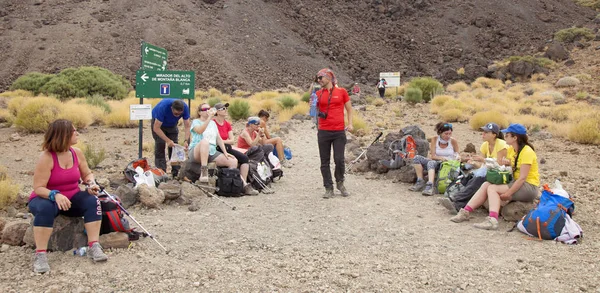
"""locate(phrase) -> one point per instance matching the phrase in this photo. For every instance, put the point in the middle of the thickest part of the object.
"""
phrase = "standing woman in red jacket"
(331, 104)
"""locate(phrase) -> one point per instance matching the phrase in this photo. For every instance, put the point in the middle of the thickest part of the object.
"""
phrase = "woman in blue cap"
(522, 158)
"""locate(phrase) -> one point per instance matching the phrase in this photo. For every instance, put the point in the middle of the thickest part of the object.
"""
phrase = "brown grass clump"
(79, 114)
(488, 83)
(437, 104)
(6, 117)
(458, 87)
(285, 115)
(8, 189)
(302, 108)
(586, 131)
(452, 115)
(264, 95)
(538, 77)
(378, 102)
(482, 118)
(360, 125)
(17, 93)
(119, 117)
(567, 81)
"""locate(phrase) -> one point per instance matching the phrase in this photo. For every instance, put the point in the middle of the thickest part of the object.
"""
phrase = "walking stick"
(364, 152)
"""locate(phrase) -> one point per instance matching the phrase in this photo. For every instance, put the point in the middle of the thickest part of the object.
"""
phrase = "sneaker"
(448, 204)
(419, 185)
(340, 186)
(286, 164)
(40, 263)
(96, 254)
(328, 193)
(203, 174)
(461, 216)
(248, 190)
(428, 191)
(489, 224)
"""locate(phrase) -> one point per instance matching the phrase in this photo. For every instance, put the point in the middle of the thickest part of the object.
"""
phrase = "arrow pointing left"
(144, 77)
(146, 50)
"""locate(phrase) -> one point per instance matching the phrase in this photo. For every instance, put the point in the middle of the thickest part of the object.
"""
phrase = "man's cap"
(515, 128)
(491, 127)
(221, 105)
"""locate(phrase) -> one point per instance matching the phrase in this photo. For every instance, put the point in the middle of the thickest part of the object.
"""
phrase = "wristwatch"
(52, 195)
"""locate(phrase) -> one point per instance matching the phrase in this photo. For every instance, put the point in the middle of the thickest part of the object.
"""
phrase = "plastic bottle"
(81, 251)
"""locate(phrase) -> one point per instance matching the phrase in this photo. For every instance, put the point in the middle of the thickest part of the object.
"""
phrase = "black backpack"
(254, 177)
(229, 182)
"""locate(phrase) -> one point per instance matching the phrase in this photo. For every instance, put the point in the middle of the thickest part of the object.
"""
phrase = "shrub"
(539, 61)
(455, 104)
(213, 92)
(567, 81)
(570, 35)
(16, 93)
(119, 118)
(460, 71)
(32, 81)
(370, 99)
(586, 131)
(489, 83)
(429, 87)
(306, 97)
(360, 125)
(265, 95)
(302, 108)
(285, 115)
(583, 76)
(97, 101)
(268, 105)
(78, 114)
(378, 102)
(413, 95)
(538, 77)
(287, 102)
(239, 109)
(6, 117)
(452, 115)
(581, 95)
(482, 118)
(37, 114)
(93, 157)
(16, 104)
(241, 93)
(594, 4)
(86, 81)
(8, 192)
(213, 101)
(457, 87)
(440, 100)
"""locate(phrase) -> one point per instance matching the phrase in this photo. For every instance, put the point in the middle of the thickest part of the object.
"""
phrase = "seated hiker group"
(507, 147)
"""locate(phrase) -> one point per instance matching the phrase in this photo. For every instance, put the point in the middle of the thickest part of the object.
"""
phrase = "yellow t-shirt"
(499, 145)
(528, 157)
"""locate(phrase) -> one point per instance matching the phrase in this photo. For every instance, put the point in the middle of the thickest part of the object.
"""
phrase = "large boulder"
(514, 211)
(150, 197)
(413, 130)
(190, 169)
(406, 174)
(128, 195)
(556, 52)
(171, 189)
(13, 233)
(375, 153)
(67, 233)
(114, 240)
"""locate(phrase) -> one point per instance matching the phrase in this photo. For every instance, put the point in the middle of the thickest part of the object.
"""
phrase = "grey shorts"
(527, 192)
(210, 158)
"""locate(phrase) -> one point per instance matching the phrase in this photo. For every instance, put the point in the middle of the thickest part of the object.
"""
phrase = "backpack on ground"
(449, 171)
(275, 167)
(113, 219)
(551, 219)
(229, 182)
(159, 174)
(259, 174)
(457, 185)
(405, 148)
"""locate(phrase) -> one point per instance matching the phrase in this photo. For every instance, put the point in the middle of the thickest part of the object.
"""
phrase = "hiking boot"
(428, 191)
(96, 254)
(489, 224)
(286, 164)
(203, 174)
(463, 215)
(448, 204)
(40, 263)
(419, 185)
(328, 193)
(249, 190)
(340, 186)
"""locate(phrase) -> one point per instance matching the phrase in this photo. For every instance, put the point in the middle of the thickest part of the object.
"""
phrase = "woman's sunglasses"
(204, 109)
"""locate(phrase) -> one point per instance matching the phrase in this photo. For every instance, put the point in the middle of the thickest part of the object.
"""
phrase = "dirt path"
(382, 238)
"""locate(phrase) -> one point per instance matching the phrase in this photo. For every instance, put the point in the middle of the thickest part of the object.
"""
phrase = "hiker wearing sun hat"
(523, 160)
(332, 101)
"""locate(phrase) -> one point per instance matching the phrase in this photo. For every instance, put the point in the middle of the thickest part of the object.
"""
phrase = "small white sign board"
(392, 78)
(140, 112)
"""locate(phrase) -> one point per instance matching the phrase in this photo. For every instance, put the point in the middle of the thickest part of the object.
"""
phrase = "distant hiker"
(56, 191)
(165, 117)
(523, 160)
(356, 90)
(381, 84)
(275, 141)
(332, 102)
(443, 147)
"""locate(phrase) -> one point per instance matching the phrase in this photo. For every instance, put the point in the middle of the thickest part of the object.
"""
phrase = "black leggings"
(83, 205)
(241, 157)
(326, 139)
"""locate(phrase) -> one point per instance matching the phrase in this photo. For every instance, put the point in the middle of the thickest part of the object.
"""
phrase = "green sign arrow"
(153, 57)
(165, 84)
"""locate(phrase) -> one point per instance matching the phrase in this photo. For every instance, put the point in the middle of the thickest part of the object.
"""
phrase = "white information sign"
(392, 78)
(140, 112)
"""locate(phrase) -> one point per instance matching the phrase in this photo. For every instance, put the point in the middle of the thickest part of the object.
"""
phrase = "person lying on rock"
(443, 147)
(493, 146)
(523, 159)
(203, 148)
(56, 178)
(275, 141)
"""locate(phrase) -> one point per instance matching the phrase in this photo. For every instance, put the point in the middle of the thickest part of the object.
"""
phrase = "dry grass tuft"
(488, 83)
(37, 114)
(567, 81)
(482, 118)
(586, 131)
(453, 115)
(458, 87)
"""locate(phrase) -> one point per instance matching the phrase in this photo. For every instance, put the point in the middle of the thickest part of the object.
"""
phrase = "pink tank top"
(64, 180)
(241, 143)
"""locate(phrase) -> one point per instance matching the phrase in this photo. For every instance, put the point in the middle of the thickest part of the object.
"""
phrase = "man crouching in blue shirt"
(165, 117)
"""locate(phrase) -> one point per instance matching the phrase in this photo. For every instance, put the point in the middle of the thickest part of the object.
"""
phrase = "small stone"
(15, 137)
(114, 240)
(194, 206)
(543, 161)
(11, 212)
(196, 284)
(4, 248)
(21, 215)
(190, 42)
(563, 173)
(18, 159)
(103, 130)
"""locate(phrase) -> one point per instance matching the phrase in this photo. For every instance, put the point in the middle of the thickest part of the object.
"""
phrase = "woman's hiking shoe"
(204, 174)
(96, 254)
(448, 204)
(248, 190)
(340, 186)
(419, 185)
(489, 224)
(463, 215)
(286, 164)
(428, 189)
(328, 193)
(40, 263)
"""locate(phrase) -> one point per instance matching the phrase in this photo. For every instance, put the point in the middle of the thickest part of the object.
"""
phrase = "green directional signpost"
(165, 84)
(153, 57)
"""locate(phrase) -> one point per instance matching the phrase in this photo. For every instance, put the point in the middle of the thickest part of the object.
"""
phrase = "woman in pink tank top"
(56, 191)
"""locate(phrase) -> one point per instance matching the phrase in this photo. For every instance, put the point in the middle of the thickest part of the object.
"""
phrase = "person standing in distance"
(381, 84)
(165, 117)
(331, 129)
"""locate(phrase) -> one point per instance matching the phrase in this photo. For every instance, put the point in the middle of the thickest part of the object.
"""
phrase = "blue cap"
(254, 120)
(515, 128)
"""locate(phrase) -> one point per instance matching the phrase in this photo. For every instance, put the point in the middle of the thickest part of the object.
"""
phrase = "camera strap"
(328, 100)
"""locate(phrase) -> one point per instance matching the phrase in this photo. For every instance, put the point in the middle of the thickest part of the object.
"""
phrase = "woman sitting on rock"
(56, 191)
(442, 147)
(493, 146)
(524, 188)
(254, 135)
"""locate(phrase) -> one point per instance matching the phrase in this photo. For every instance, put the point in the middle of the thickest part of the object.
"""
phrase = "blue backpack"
(547, 220)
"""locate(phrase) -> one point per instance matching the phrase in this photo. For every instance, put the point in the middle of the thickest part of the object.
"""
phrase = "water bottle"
(81, 251)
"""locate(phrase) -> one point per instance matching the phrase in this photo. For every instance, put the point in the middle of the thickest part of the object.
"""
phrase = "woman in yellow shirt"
(524, 187)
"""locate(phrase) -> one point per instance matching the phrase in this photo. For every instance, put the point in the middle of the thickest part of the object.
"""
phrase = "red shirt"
(241, 142)
(335, 116)
(224, 129)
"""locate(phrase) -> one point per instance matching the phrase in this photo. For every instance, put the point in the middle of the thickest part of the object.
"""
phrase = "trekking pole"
(364, 152)
(263, 185)
(103, 191)
(211, 195)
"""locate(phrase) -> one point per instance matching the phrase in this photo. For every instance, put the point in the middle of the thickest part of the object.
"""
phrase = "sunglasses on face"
(204, 109)
(319, 77)
(221, 109)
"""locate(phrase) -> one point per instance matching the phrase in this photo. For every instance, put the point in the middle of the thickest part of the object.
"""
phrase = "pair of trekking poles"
(364, 152)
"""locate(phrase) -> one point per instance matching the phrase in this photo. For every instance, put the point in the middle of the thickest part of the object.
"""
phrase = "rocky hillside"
(251, 44)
